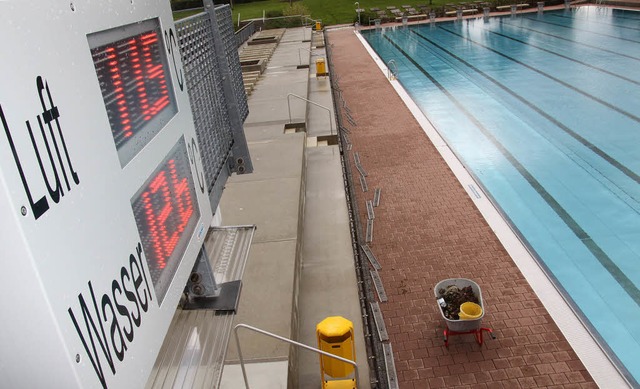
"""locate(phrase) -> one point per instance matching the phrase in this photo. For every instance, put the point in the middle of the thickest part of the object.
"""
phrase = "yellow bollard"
(318, 26)
(321, 69)
(335, 336)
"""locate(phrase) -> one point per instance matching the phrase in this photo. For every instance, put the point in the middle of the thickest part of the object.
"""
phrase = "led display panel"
(132, 71)
(166, 213)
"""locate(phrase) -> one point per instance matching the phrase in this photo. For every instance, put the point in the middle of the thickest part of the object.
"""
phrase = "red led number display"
(135, 84)
(166, 211)
(136, 81)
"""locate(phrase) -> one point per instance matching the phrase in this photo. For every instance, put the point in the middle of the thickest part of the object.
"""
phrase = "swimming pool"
(544, 110)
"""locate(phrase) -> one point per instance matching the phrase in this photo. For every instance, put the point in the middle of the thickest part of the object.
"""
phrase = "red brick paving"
(427, 229)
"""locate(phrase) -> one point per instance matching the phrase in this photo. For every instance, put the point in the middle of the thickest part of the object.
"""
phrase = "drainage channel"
(379, 349)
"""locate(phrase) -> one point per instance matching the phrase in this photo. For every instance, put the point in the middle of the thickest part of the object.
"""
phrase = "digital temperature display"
(131, 66)
(166, 213)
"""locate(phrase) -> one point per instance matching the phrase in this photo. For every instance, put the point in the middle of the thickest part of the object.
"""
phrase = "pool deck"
(427, 228)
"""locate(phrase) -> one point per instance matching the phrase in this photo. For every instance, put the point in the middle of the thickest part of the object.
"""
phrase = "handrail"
(306, 17)
(299, 57)
(308, 101)
(243, 34)
(304, 346)
(391, 72)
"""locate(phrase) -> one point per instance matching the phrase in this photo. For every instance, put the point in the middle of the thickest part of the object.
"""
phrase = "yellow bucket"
(470, 311)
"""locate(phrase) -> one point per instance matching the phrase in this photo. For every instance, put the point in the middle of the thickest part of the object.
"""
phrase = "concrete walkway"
(301, 268)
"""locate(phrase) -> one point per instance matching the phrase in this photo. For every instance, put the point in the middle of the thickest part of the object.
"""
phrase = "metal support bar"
(311, 102)
(304, 346)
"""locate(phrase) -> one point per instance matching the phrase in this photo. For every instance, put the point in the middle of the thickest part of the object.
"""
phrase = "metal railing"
(265, 23)
(304, 346)
(392, 74)
(312, 102)
(300, 57)
(243, 34)
(313, 21)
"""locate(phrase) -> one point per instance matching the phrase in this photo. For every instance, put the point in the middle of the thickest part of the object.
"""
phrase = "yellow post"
(321, 69)
(335, 336)
(318, 26)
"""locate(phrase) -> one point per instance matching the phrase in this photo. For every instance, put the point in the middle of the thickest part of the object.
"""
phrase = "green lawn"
(177, 15)
(329, 11)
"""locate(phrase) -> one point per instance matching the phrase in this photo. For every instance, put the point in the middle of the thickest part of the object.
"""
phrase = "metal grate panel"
(392, 376)
(376, 197)
(370, 214)
(225, 27)
(383, 335)
(377, 283)
(371, 257)
(206, 93)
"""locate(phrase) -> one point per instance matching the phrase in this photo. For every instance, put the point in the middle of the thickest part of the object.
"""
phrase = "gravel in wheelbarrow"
(454, 292)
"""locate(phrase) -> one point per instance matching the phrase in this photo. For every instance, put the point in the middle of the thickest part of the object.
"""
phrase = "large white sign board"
(102, 199)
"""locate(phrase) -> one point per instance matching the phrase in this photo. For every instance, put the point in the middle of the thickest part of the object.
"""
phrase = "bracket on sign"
(202, 291)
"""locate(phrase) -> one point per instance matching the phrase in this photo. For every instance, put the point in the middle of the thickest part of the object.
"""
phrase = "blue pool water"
(544, 110)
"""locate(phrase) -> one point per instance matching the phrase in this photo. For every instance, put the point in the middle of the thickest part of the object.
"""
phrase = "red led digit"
(121, 102)
(156, 213)
(182, 196)
(168, 208)
(134, 85)
(166, 213)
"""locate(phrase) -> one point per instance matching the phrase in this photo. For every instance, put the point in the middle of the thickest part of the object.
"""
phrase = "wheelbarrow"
(467, 326)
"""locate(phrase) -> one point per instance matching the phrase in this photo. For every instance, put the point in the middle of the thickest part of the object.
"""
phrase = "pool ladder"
(392, 70)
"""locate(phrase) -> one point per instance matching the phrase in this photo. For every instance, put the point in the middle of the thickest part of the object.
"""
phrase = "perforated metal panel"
(225, 26)
(204, 83)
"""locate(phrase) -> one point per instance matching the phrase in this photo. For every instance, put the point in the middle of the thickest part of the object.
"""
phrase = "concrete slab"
(320, 121)
(284, 77)
(272, 205)
(328, 284)
(268, 101)
(265, 301)
(276, 158)
(291, 48)
(269, 375)
(258, 132)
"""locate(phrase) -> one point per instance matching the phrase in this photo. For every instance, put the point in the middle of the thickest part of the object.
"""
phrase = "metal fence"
(225, 27)
(216, 90)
